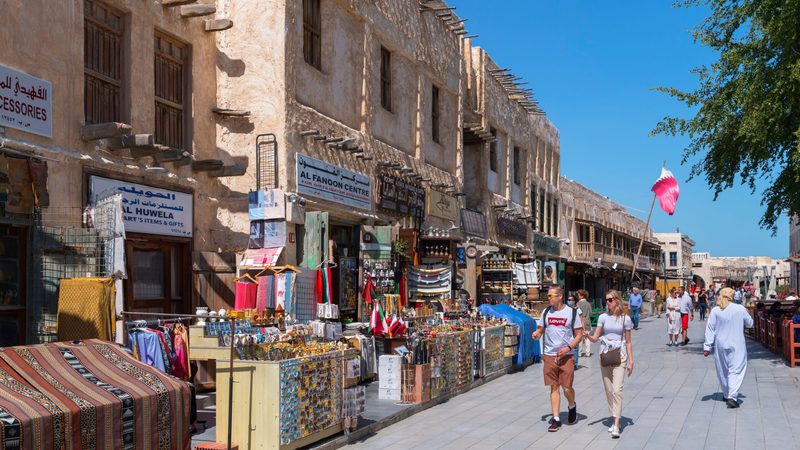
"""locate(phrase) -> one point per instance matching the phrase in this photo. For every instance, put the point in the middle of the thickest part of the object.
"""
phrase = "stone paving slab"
(671, 401)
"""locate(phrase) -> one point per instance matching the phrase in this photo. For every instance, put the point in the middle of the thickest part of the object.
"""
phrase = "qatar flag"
(666, 189)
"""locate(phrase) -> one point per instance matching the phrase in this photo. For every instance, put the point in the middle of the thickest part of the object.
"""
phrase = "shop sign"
(267, 234)
(550, 272)
(267, 204)
(26, 102)
(399, 196)
(443, 205)
(473, 223)
(147, 209)
(329, 182)
(544, 245)
(643, 263)
(511, 229)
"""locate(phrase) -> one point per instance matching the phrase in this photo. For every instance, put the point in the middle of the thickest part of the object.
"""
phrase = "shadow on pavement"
(624, 422)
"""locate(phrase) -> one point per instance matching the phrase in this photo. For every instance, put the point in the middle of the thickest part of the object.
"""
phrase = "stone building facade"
(601, 239)
(104, 64)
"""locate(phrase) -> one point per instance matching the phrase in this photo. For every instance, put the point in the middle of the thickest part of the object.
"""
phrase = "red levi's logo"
(556, 322)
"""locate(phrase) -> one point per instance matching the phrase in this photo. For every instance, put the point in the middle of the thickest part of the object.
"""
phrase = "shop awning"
(261, 257)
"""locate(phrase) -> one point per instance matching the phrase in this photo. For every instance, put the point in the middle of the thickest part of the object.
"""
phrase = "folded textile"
(86, 309)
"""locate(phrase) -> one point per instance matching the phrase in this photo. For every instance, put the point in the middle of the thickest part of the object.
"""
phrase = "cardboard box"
(389, 394)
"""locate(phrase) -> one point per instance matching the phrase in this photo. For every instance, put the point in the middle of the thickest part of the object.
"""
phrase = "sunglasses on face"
(610, 299)
(553, 295)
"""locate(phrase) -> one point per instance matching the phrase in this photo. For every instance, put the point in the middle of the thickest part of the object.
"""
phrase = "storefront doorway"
(13, 241)
(159, 275)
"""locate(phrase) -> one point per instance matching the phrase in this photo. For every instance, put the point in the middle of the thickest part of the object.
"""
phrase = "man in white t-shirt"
(562, 328)
(686, 310)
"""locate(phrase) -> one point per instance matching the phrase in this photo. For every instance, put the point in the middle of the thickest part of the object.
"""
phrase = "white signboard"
(267, 204)
(322, 180)
(26, 102)
(147, 209)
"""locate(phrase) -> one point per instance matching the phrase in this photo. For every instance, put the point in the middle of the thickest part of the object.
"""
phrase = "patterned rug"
(89, 395)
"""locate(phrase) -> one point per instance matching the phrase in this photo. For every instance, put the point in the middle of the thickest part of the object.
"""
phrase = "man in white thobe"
(725, 333)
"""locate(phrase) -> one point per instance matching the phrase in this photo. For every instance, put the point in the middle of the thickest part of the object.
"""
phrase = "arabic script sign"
(150, 210)
(399, 196)
(443, 205)
(333, 183)
(25, 102)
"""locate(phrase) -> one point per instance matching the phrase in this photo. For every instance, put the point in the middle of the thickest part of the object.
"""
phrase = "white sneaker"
(611, 429)
(614, 433)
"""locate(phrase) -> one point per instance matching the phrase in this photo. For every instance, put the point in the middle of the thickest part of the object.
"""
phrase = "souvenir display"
(311, 396)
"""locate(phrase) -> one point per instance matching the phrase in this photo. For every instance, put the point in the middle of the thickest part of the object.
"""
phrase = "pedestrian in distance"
(586, 309)
(687, 310)
(702, 303)
(710, 294)
(725, 335)
(673, 318)
(635, 304)
(563, 330)
(616, 354)
(737, 296)
(659, 304)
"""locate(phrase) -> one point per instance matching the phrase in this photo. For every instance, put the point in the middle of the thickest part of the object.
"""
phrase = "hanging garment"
(148, 348)
(525, 274)
(265, 294)
(289, 294)
(369, 290)
(280, 292)
(86, 309)
(402, 291)
(245, 295)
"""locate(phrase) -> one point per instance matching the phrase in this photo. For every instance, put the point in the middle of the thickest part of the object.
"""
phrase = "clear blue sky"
(592, 65)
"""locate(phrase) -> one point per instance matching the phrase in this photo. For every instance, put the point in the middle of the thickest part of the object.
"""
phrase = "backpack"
(549, 308)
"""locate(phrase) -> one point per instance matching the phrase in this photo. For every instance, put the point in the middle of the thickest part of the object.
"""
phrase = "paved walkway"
(671, 401)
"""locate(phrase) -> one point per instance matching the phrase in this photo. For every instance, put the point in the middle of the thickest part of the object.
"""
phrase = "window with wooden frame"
(517, 162)
(386, 79)
(170, 84)
(103, 29)
(533, 208)
(541, 212)
(312, 33)
(555, 217)
(493, 151)
(435, 113)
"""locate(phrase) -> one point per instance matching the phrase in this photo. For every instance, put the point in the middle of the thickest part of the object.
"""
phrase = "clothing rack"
(233, 354)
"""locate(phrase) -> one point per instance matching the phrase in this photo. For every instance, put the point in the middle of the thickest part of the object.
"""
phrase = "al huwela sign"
(333, 183)
(443, 205)
(147, 209)
(26, 102)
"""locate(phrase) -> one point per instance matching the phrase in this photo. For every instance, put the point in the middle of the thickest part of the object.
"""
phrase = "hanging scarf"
(369, 290)
(318, 287)
(280, 292)
(324, 288)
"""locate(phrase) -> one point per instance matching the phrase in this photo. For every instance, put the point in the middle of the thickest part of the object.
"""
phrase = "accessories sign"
(26, 102)
(329, 182)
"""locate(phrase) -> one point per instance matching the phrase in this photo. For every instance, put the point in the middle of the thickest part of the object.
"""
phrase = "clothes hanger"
(264, 270)
(246, 276)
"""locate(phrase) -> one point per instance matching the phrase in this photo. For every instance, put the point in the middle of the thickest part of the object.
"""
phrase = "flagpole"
(641, 242)
(644, 232)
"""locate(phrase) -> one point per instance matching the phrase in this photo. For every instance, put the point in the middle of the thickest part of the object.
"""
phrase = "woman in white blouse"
(614, 333)
(673, 318)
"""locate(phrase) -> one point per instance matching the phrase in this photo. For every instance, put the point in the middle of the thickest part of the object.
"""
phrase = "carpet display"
(89, 395)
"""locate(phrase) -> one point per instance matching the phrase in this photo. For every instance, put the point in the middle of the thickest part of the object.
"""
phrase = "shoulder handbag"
(611, 357)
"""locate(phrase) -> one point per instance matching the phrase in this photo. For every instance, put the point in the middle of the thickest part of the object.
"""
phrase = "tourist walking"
(563, 330)
(616, 354)
(673, 318)
(586, 317)
(711, 295)
(659, 304)
(635, 304)
(686, 309)
(702, 303)
(725, 334)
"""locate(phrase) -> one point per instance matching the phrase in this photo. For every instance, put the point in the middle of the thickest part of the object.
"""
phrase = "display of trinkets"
(311, 395)
(435, 249)
(493, 349)
(496, 262)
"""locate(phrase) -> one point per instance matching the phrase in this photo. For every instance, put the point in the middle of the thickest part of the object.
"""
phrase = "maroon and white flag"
(667, 190)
